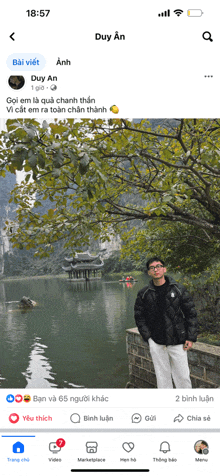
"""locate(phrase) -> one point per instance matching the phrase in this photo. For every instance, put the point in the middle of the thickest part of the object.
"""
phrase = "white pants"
(170, 362)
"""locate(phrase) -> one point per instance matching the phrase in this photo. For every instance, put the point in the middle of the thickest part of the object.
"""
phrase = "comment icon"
(75, 418)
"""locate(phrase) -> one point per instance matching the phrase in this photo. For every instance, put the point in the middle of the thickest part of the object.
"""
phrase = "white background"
(157, 71)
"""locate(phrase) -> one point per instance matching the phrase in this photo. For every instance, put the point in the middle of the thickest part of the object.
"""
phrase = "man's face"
(156, 270)
(202, 446)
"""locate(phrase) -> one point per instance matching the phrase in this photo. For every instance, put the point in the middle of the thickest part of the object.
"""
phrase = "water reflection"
(2, 299)
(75, 337)
(15, 327)
(39, 372)
(115, 310)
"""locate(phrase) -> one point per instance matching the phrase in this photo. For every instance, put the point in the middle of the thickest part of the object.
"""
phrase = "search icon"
(207, 36)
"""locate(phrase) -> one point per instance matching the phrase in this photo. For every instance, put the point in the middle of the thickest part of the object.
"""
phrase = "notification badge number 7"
(60, 442)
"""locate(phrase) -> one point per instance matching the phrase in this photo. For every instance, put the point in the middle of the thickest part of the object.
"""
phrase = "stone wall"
(204, 362)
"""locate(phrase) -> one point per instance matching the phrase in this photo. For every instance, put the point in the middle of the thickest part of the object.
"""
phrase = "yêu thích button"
(41, 418)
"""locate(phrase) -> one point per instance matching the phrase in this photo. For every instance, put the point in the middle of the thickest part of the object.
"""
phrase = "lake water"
(74, 337)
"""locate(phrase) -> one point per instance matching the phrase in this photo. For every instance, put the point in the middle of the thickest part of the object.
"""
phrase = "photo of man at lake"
(166, 318)
(84, 202)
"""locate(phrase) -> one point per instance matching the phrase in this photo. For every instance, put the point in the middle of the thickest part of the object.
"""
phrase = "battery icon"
(194, 13)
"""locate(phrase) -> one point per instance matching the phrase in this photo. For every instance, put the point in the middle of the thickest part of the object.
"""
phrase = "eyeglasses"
(152, 268)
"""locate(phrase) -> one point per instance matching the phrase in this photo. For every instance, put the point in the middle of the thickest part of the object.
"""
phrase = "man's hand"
(188, 344)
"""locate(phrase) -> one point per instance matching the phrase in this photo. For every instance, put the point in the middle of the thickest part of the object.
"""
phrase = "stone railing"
(204, 363)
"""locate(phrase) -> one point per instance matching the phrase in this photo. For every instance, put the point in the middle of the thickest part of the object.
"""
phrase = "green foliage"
(207, 301)
(183, 248)
(24, 263)
(159, 186)
(116, 265)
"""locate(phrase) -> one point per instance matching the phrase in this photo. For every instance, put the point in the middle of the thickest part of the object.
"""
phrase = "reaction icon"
(10, 398)
(27, 398)
(18, 398)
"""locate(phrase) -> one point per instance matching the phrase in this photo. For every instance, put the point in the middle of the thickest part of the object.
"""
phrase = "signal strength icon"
(178, 12)
(164, 14)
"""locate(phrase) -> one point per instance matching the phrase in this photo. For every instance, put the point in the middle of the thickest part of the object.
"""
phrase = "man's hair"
(154, 258)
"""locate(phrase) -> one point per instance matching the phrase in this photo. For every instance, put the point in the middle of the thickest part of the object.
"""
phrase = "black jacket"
(180, 316)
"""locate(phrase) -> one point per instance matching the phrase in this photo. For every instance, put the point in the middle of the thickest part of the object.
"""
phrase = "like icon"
(14, 418)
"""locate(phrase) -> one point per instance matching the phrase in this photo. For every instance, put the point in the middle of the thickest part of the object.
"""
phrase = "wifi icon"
(178, 12)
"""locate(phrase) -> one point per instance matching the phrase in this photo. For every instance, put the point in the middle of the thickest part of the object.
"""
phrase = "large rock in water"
(26, 302)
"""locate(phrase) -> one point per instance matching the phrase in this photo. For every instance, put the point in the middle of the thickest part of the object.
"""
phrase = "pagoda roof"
(67, 268)
(81, 266)
(82, 257)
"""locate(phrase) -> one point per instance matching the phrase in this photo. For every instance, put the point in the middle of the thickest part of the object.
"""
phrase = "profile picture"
(16, 82)
(201, 447)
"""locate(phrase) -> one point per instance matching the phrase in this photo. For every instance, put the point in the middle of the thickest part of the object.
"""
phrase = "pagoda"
(84, 266)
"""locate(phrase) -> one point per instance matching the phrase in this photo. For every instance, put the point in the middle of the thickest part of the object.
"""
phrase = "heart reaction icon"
(14, 418)
(18, 398)
(128, 447)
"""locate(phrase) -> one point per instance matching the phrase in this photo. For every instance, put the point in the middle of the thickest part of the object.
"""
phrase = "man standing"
(166, 317)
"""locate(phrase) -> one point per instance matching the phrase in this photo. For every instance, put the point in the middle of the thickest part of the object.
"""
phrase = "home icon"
(18, 447)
